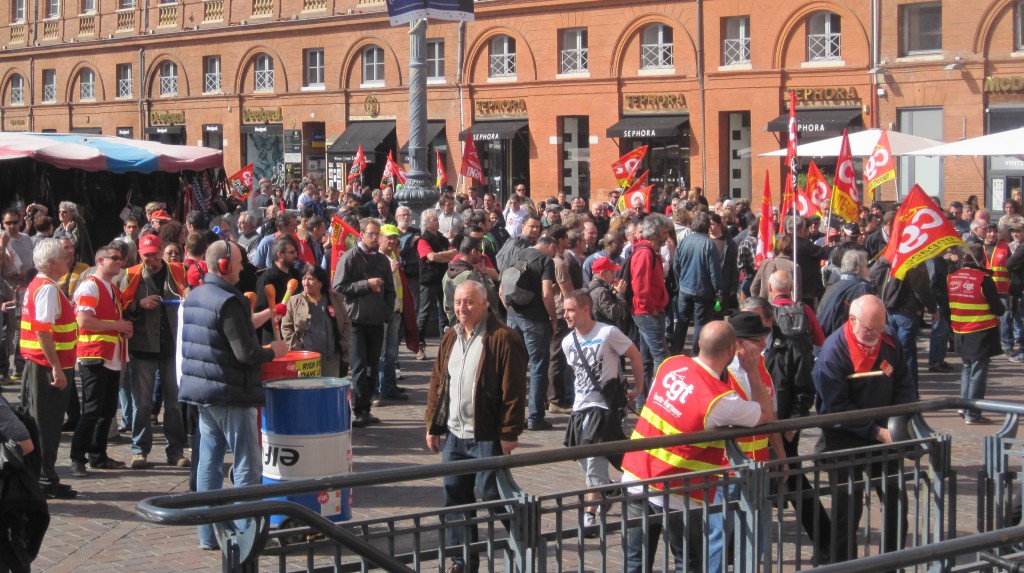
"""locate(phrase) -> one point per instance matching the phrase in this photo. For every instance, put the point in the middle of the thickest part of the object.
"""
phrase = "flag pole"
(792, 145)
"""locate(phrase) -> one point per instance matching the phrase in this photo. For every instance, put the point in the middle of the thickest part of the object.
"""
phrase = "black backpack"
(515, 284)
(792, 323)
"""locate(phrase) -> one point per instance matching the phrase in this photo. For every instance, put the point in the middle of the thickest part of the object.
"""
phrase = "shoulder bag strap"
(586, 364)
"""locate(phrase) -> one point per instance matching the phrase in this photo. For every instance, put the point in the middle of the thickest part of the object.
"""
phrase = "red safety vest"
(997, 264)
(683, 395)
(64, 330)
(968, 309)
(101, 343)
(178, 278)
(756, 447)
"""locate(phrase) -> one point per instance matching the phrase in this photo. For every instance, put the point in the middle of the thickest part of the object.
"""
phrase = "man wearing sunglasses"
(17, 248)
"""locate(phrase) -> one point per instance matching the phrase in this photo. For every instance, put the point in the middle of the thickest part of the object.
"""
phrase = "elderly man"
(477, 401)
(867, 349)
(650, 295)
(853, 283)
(435, 253)
(248, 238)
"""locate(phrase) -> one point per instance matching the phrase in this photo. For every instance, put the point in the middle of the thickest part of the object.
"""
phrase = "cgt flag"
(880, 167)
(393, 174)
(471, 166)
(818, 187)
(240, 184)
(766, 226)
(641, 181)
(442, 175)
(358, 165)
(627, 165)
(845, 196)
(405, 11)
(919, 232)
(637, 198)
(343, 238)
(805, 207)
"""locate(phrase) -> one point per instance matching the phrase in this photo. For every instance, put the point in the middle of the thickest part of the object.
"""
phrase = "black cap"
(851, 229)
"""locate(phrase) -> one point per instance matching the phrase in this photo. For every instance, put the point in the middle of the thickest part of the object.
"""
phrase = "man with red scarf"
(861, 366)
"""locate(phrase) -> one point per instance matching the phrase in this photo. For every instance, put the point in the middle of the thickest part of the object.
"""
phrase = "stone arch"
(152, 78)
(353, 59)
(248, 60)
(76, 70)
(482, 43)
(798, 17)
(5, 86)
(987, 24)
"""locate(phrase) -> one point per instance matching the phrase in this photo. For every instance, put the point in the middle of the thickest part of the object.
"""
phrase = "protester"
(316, 320)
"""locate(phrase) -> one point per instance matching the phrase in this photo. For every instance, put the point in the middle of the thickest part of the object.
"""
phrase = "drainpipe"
(876, 119)
(145, 17)
(31, 93)
(142, 92)
(35, 22)
(703, 107)
(458, 81)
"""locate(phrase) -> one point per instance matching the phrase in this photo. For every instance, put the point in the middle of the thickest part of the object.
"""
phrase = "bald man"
(864, 347)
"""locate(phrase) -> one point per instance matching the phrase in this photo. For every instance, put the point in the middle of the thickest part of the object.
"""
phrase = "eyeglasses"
(371, 234)
(866, 330)
(113, 258)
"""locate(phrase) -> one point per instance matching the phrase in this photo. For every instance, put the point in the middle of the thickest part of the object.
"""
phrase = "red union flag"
(845, 196)
(393, 174)
(471, 166)
(919, 232)
(636, 198)
(240, 184)
(880, 167)
(766, 226)
(442, 175)
(343, 238)
(626, 166)
(818, 187)
(805, 207)
(640, 182)
(358, 165)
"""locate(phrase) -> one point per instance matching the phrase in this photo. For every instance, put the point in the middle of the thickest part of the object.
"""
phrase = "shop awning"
(817, 120)
(369, 134)
(492, 130)
(107, 153)
(641, 126)
(434, 128)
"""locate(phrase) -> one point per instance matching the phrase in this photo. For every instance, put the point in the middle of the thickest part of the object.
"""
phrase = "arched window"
(17, 90)
(168, 79)
(373, 65)
(824, 37)
(503, 57)
(264, 80)
(656, 48)
(86, 85)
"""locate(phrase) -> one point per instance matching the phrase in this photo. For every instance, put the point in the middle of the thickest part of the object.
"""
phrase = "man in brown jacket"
(478, 358)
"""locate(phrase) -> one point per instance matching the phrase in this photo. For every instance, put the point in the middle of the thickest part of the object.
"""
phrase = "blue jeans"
(651, 328)
(143, 375)
(720, 529)
(387, 377)
(906, 327)
(537, 336)
(1006, 323)
(458, 490)
(224, 428)
(692, 310)
(364, 351)
(938, 342)
(635, 538)
(973, 380)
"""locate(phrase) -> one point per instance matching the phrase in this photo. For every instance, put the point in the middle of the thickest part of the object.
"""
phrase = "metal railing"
(502, 66)
(524, 532)
(823, 47)
(737, 51)
(656, 56)
(575, 61)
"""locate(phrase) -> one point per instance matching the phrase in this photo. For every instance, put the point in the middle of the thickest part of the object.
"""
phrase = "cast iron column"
(418, 193)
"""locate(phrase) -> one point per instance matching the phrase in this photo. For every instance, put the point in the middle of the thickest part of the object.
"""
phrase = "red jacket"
(647, 275)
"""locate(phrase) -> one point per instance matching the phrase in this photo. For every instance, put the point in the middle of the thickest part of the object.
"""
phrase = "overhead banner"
(406, 11)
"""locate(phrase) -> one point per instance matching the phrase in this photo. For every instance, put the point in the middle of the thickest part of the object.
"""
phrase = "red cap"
(604, 264)
(150, 244)
(160, 215)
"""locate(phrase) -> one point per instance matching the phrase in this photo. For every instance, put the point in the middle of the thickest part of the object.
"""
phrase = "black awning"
(641, 126)
(434, 128)
(162, 129)
(818, 120)
(493, 130)
(370, 134)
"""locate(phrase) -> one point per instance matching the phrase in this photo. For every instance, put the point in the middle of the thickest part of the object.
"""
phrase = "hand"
(60, 381)
(150, 302)
(394, 266)
(635, 392)
(750, 357)
(5, 239)
(434, 443)
(508, 445)
(8, 306)
(620, 286)
(279, 347)
(375, 284)
(884, 436)
(125, 327)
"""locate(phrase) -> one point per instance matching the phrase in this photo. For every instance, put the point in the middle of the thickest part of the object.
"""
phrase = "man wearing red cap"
(148, 292)
(608, 295)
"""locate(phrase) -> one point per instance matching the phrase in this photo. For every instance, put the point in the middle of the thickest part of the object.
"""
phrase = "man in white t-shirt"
(593, 350)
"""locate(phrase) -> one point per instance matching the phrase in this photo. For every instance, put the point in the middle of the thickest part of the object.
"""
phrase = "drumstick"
(865, 374)
(293, 286)
(271, 293)
(252, 300)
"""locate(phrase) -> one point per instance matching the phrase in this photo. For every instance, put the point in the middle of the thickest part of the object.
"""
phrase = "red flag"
(240, 184)
(393, 174)
(880, 167)
(343, 238)
(358, 165)
(636, 186)
(787, 198)
(818, 187)
(805, 207)
(626, 166)
(635, 198)
(845, 196)
(442, 175)
(919, 232)
(471, 166)
(766, 227)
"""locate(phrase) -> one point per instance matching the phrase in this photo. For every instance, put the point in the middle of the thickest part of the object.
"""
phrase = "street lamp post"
(418, 193)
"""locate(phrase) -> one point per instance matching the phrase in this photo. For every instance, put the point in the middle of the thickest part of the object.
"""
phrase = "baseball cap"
(604, 264)
(160, 215)
(389, 231)
(956, 205)
(150, 244)
(553, 207)
(851, 229)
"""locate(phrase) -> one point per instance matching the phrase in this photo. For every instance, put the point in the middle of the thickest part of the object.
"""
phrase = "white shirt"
(602, 348)
(90, 290)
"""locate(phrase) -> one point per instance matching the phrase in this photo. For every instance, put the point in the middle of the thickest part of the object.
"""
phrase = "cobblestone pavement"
(99, 531)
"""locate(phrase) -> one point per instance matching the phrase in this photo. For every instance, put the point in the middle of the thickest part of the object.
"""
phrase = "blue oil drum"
(307, 433)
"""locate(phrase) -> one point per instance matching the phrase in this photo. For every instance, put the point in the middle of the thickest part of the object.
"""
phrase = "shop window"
(53, 8)
(264, 79)
(314, 63)
(211, 74)
(656, 49)
(87, 85)
(18, 11)
(168, 79)
(17, 90)
(88, 6)
(575, 140)
(435, 59)
(503, 57)
(824, 37)
(922, 28)
(124, 80)
(736, 45)
(373, 66)
(924, 171)
(49, 86)
(574, 57)
(1018, 25)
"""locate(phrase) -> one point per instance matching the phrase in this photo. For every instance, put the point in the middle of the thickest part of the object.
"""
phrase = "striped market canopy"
(107, 153)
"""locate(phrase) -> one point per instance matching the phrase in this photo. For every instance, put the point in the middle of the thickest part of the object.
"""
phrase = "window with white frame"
(1018, 26)
(503, 57)
(314, 73)
(264, 80)
(211, 74)
(656, 48)
(49, 86)
(125, 4)
(18, 11)
(574, 58)
(373, 65)
(88, 6)
(86, 85)
(435, 59)
(168, 79)
(922, 28)
(124, 80)
(53, 8)
(17, 90)
(736, 45)
(824, 37)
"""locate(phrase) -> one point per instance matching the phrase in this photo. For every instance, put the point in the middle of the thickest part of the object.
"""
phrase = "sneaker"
(1019, 357)
(78, 469)
(15, 377)
(556, 408)
(421, 354)
(361, 420)
(108, 464)
(398, 374)
(538, 425)
(979, 421)
(59, 491)
(139, 461)
(590, 525)
(179, 461)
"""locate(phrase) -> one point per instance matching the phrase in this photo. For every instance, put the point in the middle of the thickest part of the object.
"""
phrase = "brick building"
(552, 91)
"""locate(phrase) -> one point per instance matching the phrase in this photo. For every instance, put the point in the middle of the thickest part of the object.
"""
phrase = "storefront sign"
(262, 115)
(128, 132)
(653, 103)
(211, 127)
(293, 146)
(825, 97)
(166, 117)
(500, 108)
(995, 84)
(16, 124)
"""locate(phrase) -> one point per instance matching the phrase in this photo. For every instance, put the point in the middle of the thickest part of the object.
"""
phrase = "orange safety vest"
(997, 264)
(94, 344)
(64, 330)
(178, 277)
(968, 309)
(756, 447)
(684, 393)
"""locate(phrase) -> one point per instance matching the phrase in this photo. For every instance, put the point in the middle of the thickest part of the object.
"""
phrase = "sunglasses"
(113, 258)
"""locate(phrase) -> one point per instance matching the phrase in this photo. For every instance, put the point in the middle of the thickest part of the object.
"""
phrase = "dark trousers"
(694, 310)
(564, 394)
(431, 297)
(458, 490)
(365, 350)
(847, 509)
(46, 404)
(99, 406)
(74, 409)
(809, 506)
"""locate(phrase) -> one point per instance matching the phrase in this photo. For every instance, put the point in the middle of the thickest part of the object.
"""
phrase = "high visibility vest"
(969, 311)
(64, 330)
(683, 394)
(756, 447)
(997, 264)
(134, 274)
(101, 343)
